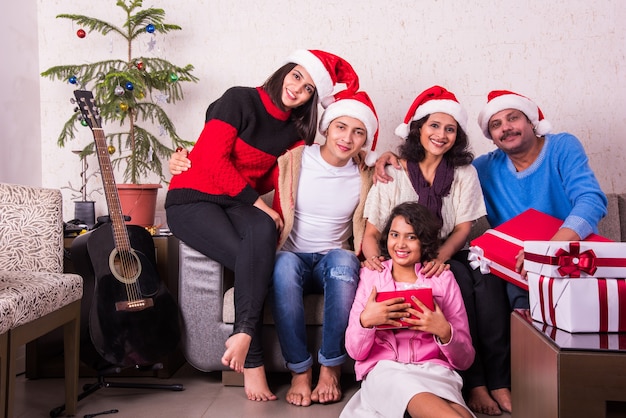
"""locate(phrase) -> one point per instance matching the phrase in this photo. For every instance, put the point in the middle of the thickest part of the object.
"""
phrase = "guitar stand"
(90, 388)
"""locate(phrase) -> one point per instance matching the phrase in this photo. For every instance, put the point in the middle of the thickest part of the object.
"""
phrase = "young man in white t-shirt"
(322, 192)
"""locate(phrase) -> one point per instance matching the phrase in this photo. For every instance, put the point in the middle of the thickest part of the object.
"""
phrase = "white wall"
(567, 55)
(20, 134)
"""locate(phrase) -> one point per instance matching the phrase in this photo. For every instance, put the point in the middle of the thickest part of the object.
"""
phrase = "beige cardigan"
(289, 167)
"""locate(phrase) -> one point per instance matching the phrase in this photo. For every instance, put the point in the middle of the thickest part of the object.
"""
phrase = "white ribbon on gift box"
(477, 259)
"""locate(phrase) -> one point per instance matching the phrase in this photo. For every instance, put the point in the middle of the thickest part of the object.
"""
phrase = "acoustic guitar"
(133, 319)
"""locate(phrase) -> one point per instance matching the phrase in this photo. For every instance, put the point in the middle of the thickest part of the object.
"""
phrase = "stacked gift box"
(574, 286)
(577, 286)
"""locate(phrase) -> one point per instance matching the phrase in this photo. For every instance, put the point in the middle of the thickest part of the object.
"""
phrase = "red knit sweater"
(243, 136)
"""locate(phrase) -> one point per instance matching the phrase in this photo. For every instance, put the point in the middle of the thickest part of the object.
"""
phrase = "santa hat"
(498, 100)
(355, 105)
(433, 100)
(326, 70)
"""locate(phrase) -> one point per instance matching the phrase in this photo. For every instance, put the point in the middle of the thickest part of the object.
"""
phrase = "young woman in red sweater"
(214, 206)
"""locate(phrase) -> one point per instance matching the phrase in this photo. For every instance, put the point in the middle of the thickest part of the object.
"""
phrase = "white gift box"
(578, 305)
(573, 259)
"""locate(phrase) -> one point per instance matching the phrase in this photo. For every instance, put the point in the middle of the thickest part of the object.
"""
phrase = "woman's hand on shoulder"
(179, 162)
(434, 268)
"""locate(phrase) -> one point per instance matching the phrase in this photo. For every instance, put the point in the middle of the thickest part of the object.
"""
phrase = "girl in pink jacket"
(410, 368)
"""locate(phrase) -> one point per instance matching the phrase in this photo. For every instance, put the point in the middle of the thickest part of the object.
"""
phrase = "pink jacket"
(368, 346)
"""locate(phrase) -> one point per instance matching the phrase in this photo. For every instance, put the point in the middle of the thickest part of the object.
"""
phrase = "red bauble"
(140, 65)
(81, 33)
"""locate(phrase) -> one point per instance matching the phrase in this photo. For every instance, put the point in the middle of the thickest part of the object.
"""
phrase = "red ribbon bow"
(572, 262)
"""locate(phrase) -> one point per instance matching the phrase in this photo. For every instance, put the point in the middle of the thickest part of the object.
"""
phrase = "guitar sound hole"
(125, 265)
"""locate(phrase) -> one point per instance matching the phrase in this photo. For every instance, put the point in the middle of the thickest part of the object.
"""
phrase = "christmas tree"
(129, 91)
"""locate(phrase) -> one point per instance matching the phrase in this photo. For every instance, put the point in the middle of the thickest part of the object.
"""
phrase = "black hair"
(412, 149)
(305, 116)
(424, 223)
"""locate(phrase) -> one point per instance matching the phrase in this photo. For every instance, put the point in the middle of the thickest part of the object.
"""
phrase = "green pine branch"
(154, 81)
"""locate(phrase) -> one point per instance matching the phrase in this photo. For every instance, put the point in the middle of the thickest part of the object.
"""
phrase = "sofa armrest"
(200, 294)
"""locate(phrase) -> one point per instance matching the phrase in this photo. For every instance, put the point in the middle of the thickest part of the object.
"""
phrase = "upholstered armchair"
(35, 295)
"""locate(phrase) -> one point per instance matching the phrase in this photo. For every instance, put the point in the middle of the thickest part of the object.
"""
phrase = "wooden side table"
(564, 377)
(44, 355)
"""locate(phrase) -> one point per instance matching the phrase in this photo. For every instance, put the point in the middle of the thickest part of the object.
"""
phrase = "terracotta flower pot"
(139, 202)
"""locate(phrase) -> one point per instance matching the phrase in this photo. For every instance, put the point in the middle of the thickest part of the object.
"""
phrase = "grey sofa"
(206, 302)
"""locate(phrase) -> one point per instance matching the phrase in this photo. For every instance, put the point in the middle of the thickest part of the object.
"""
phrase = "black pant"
(243, 239)
(488, 313)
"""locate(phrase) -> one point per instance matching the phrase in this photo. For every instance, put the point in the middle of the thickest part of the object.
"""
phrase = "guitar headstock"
(88, 108)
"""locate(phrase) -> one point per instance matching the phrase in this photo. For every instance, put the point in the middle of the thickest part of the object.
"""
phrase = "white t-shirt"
(464, 203)
(325, 204)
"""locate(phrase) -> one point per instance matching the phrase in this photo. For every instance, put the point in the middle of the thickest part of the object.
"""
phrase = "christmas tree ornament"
(173, 77)
(151, 44)
(81, 33)
(111, 149)
(141, 150)
(72, 80)
(83, 122)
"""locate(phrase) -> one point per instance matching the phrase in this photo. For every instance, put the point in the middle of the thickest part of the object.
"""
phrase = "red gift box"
(578, 305)
(423, 294)
(496, 250)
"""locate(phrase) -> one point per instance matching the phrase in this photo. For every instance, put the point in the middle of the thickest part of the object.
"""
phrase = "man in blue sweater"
(535, 169)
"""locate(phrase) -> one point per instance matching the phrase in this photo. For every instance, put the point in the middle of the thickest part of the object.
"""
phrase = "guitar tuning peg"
(76, 109)
(72, 100)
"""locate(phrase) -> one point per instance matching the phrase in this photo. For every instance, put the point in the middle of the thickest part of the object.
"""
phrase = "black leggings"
(243, 239)
(488, 314)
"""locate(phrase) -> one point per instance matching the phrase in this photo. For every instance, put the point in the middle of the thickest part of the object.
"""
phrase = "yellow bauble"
(111, 149)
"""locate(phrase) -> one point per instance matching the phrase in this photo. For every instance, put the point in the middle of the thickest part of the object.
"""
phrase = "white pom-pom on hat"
(435, 99)
(498, 100)
(326, 70)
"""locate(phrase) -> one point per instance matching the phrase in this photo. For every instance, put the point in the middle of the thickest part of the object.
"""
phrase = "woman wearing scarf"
(436, 171)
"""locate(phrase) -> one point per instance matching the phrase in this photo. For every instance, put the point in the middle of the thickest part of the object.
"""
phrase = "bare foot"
(480, 402)
(299, 393)
(328, 388)
(255, 385)
(237, 346)
(503, 397)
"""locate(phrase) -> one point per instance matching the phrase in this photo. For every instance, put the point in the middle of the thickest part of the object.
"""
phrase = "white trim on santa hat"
(449, 107)
(316, 69)
(354, 109)
(513, 101)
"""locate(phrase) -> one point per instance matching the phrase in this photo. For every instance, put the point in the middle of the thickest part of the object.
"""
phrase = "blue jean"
(335, 275)
(518, 297)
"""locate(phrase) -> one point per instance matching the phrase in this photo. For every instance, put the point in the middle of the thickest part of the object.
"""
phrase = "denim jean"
(518, 297)
(335, 275)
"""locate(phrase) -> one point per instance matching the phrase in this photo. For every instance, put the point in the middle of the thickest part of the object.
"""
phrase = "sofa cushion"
(33, 295)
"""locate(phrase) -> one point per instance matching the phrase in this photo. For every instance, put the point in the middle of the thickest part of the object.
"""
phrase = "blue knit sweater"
(559, 183)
